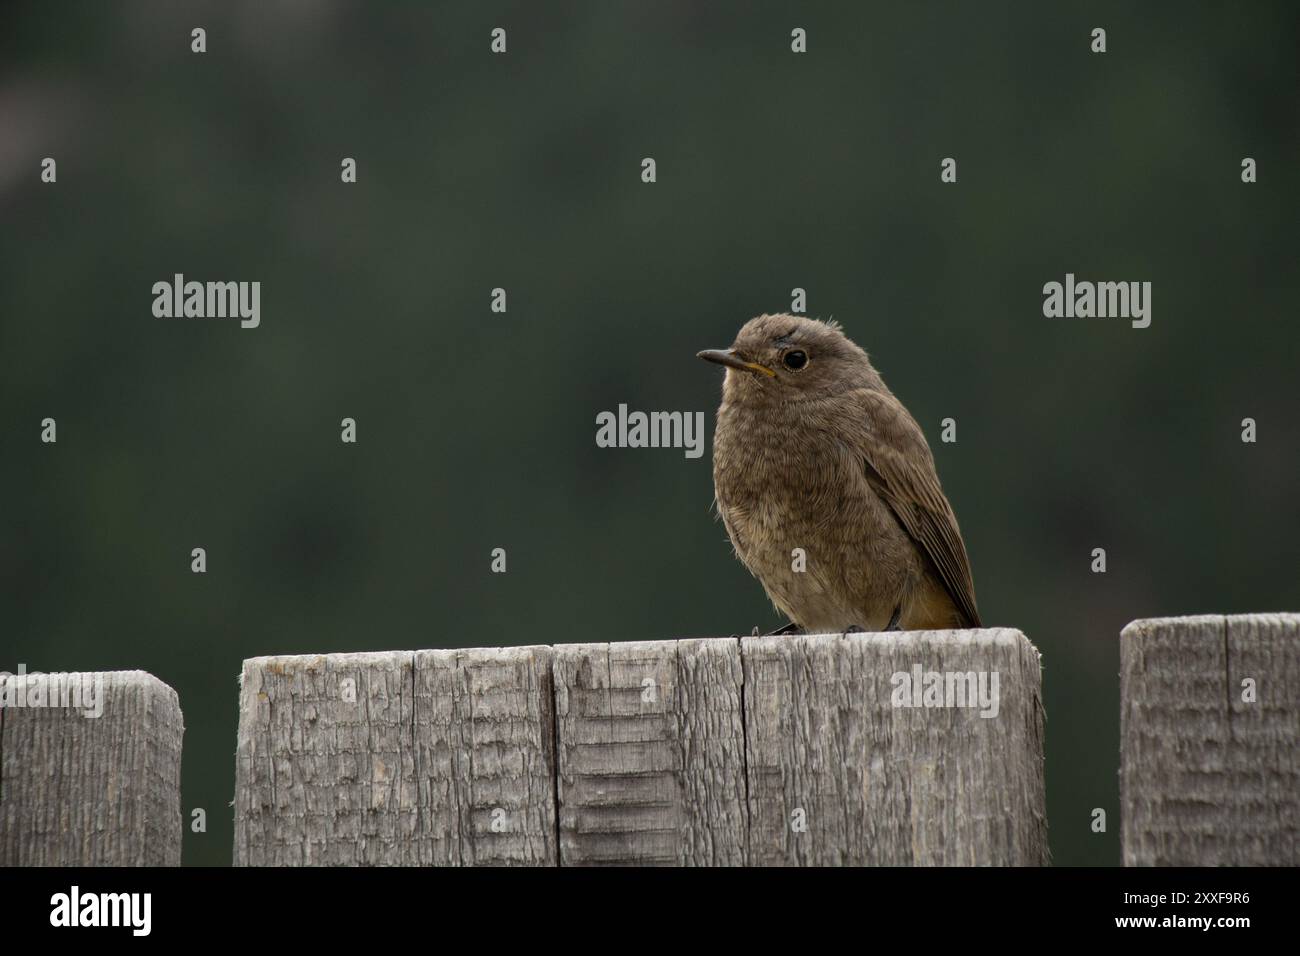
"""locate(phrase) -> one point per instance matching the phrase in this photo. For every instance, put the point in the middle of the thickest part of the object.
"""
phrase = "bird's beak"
(730, 359)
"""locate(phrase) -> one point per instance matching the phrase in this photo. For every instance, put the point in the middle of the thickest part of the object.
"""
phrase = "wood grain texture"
(485, 756)
(325, 764)
(650, 753)
(399, 758)
(91, 791)
(693, 752)
(1206, 777)
(872, 783)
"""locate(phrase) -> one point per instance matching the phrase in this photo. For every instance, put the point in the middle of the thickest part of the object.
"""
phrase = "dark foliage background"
(522, 171)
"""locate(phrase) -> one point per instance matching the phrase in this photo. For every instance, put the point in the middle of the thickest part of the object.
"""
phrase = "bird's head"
(790, 357)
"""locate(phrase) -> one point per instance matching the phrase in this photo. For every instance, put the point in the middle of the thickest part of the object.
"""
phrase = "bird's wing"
(901, 469)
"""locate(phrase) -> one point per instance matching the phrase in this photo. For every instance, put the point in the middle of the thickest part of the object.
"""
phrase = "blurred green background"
(476, 430)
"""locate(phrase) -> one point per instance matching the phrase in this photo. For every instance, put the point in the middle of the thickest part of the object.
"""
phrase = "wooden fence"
(774, 750)
(90, 770)
(1210, 741)
(902, 748)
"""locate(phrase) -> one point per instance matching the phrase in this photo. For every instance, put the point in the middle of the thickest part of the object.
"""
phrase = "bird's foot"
(791, 628)
(893, 621)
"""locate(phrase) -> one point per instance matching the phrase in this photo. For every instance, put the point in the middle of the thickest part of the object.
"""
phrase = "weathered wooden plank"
(1208, 776)
(485, 756)
(78, 789)
(460, 757)
(840, 773)
(400, 758)
(325, 765)
(650, 753)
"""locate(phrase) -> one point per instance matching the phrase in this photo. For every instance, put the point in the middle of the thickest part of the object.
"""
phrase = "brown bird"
(812, 451)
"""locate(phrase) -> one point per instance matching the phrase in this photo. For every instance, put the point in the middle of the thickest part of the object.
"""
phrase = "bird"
(828, 489)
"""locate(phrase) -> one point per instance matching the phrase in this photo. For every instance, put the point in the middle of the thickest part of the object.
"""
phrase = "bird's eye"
(795, 360)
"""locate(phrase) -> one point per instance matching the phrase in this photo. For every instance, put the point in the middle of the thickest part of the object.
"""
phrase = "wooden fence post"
(398, 758)
(787, 750)
(651, 757)
(904, 748)
(90, 770)
(1210, 741)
